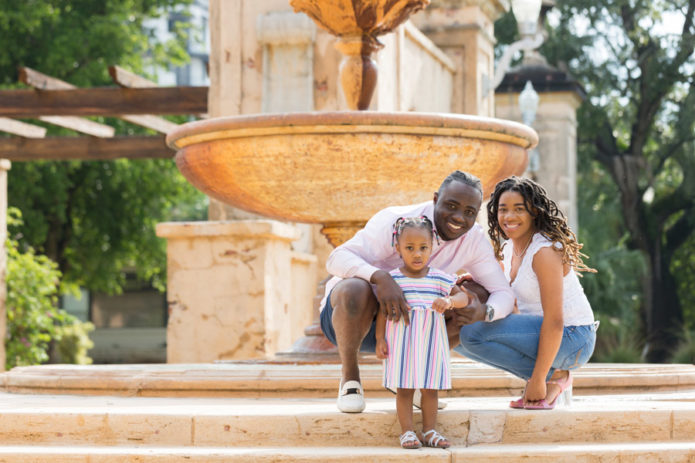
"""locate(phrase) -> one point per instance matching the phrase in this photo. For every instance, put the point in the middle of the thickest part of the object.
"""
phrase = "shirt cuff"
(366, 271)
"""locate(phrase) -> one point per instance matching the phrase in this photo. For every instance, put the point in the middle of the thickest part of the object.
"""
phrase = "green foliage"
(617, 340)
(72, 342)
(685, 351)
(76, 40)
(33, 321)
(95, 218)
(636, 62)
(683, 267)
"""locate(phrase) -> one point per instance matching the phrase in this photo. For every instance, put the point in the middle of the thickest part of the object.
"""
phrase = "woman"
(554, 331)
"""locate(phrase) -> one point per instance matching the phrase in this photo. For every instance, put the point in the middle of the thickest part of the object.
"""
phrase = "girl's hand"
(442, 304)
(382, 349)
(535, 390)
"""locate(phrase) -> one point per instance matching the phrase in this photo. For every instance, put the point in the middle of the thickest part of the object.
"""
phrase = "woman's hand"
(536, 390)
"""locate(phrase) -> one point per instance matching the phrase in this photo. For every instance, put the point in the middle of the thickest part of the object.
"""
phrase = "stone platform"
(271, 412)
(302, 378)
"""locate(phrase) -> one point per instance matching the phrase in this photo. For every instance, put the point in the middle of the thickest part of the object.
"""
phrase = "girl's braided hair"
(412, 222)
(548, 220)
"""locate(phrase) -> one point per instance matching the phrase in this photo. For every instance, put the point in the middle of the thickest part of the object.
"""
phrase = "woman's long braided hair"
(548, 220)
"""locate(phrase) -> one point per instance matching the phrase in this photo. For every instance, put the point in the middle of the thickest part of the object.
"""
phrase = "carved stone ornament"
(357, 24)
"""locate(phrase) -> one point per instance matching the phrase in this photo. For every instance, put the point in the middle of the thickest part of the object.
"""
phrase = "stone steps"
(268, 379)
(672, 452)
(117, 421)
(279, 412)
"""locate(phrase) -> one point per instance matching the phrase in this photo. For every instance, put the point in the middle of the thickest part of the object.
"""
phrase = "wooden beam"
(84, 148)
(128, 79)
(42, 81)
(103, 101)
(21, 128)
(82, 125)
(149, 121)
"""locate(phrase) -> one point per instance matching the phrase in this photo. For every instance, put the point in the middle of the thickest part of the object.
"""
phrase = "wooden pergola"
(53, 101)
(135, 99)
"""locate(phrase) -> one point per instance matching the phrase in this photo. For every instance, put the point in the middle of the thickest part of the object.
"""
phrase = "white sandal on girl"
(409, 440)
(435, 440)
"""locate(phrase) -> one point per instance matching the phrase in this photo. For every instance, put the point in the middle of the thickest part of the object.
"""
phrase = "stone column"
(556, 124)
(5, 165)
(235, 289)
(464, 30)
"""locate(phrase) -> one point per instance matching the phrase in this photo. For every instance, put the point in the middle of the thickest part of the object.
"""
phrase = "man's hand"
(392, 303)
(382, 349)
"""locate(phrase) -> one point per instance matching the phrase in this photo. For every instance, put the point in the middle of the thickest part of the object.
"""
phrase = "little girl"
(417, 354)
(554, 331)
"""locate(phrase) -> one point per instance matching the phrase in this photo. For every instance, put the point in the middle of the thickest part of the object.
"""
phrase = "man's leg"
(354, 307)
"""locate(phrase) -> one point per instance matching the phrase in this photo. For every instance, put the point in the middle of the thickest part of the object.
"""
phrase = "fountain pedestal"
(235, 289)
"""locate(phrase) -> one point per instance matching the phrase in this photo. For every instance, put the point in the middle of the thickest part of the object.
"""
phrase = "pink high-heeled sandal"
(564, 396)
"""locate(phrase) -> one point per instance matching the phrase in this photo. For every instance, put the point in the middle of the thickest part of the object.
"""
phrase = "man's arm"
(355, 258)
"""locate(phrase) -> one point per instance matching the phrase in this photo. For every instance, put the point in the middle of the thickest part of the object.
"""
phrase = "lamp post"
(526, 13)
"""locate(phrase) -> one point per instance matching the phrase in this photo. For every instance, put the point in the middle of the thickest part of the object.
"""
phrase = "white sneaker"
(417, 399)
(351, 397)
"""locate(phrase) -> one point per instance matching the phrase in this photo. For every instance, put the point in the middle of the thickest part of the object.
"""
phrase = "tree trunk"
(662, 307)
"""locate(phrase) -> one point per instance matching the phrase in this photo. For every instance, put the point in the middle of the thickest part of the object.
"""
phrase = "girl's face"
(415, 247)
(514, 219)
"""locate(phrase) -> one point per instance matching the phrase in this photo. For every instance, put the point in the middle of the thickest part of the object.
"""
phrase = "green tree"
(94, 218)
(636, 61)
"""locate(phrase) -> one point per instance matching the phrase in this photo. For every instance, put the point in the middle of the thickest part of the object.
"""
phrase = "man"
(362, 284)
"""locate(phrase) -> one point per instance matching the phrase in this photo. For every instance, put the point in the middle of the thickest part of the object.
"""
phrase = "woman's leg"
(576, 349)
(510, 344)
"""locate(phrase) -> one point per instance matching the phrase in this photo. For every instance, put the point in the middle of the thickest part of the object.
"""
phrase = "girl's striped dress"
(419, 352)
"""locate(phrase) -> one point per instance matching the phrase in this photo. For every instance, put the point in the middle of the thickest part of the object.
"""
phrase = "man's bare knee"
(354, 297)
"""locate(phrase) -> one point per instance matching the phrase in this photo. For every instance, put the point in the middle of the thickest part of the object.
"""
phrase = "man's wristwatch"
(489, 312)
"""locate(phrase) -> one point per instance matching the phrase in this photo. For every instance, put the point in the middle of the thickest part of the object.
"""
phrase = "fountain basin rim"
(410, 123)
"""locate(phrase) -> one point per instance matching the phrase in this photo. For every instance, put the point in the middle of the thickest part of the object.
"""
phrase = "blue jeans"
(511, 344)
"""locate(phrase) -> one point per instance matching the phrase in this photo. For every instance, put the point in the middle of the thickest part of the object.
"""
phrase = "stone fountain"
(338, 168)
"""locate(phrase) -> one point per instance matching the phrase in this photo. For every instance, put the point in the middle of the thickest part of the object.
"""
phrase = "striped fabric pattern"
(419, 352)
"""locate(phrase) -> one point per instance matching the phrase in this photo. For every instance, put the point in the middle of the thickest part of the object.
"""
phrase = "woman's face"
(514, 219)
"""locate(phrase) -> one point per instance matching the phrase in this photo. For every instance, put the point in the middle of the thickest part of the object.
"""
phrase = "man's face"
(456, 209)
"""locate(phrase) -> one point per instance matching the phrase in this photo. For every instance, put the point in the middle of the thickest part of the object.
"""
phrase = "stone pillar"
(556, 124)
(235, 289)
(5, 165)
(464, 30)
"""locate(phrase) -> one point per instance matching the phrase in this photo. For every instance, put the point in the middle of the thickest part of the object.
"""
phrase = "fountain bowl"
(342, 167)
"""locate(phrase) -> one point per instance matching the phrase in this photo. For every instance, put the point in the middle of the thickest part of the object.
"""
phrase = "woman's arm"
(547, 264)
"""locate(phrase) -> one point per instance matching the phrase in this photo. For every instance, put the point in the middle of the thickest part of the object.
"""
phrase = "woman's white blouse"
(576, 309)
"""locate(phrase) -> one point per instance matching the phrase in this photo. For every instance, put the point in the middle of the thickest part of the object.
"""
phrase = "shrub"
(33, 319)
